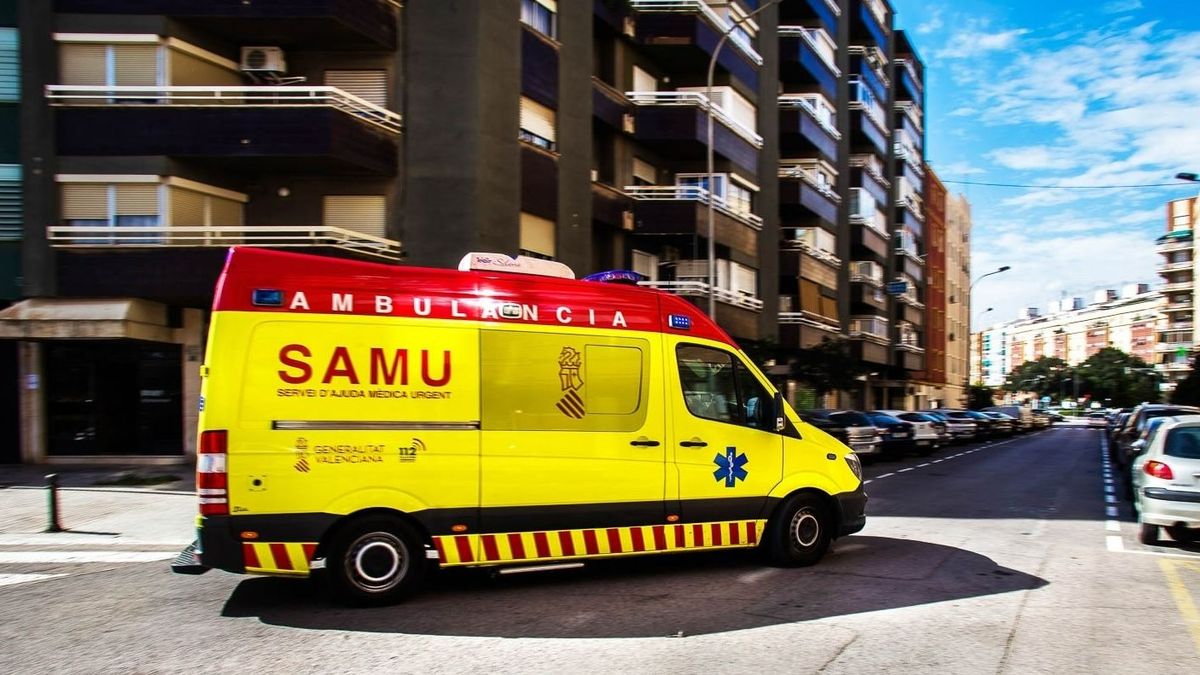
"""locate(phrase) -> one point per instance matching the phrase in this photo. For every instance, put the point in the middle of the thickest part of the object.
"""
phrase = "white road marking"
(14, 579)
(1112, 526)
(938, 461)
(868, 481)
(1114, 543)
(903, 470)
(60, 557)
(886, 475)
(922, 466)
(1110, 511)
(1110, 499)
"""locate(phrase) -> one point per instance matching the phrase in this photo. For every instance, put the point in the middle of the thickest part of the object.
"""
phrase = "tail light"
(212, 477)
(1158, 470)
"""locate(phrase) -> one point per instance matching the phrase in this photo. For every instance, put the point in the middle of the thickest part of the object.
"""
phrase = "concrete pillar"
(191, 338)
(32, 402)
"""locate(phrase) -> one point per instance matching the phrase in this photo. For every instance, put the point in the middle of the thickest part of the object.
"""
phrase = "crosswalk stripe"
(32, 557)
(14, 579)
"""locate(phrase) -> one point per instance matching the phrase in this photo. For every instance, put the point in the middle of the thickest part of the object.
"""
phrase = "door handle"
(644, 442)
(694, 443)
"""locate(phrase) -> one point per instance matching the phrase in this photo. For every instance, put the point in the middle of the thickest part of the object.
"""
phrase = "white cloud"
(1039, 157)
(972, 43)
(957, 170)
(1121, 6)
(933, 24)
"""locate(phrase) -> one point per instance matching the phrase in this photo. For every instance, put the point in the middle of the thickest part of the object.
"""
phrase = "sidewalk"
(135, 477)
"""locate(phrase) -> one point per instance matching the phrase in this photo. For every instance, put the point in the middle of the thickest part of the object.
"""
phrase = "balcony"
(700, 289)
(813, 241)
(683, 209)
(282, 236)
(874, 328)
(809, 55)
(911, 88)
(912, 161)
(279, 128)
(871, 20)
(323, 24)
(677, 122)
(1183, 306)
(909, 342)
(1175, 367)
(682, 34)
(866, 272)
(867, 173)
(864, 210)
(1177, 286)
(807, 117)
(805, 329)
(871, 123)
(1179, 240)
(913, 204)
(799, 186)
(913, 114)
(610, 105)
(825, 11)
(1167, 268)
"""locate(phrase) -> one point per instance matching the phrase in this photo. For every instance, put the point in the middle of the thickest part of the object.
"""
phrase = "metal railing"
(700, 289)
(861, 98)
(804, 169)
(1173, 244)
(833, 7)
(694, 99)
(808, 240)
(878, 11)
(673, 193)
(908, 341)
(809, 319)
(240, 97)
(912, 111)
(1177, 286)
(171, 236)
(867, 272)
(912, 72)
(910, 156)
(1177, 306)
(820, 42)
(1176, 266)
(809, 104)
(873, 168)
(869, 326)
(701, 7)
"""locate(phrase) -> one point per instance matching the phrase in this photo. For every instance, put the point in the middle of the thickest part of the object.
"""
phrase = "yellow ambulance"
(378, 422)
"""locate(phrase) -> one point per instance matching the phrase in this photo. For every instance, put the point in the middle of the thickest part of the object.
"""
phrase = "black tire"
(800, 533)
(375, 561)
(1148, 534)
(1184, 535)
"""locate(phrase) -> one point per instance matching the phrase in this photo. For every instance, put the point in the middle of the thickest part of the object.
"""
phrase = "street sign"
(897, 287)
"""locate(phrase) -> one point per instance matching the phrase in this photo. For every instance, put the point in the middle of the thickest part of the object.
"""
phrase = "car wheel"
(1148, 534)
(1184, 535)
(800, 532)
(375, 561)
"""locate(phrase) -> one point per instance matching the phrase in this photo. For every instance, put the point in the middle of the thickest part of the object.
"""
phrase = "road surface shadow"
(676, 595)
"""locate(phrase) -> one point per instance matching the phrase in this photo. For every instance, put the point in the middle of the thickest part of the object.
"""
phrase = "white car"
(927, 436)
(1166, 481)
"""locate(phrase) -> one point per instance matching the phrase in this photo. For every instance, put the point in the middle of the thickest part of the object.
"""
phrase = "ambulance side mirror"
(780, 419)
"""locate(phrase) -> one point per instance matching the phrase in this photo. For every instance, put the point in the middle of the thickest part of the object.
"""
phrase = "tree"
(1047, 376)
(979, 396)
(1118, 379)
(1187, 392)
(828, 366)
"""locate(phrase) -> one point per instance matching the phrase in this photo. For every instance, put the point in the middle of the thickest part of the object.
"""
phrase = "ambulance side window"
(716, 386)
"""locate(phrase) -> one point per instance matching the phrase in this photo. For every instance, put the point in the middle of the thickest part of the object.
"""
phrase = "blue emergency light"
(679, 321)
(267, 297)
(616, 277)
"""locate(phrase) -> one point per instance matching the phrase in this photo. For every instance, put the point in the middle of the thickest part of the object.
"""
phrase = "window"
(369, 85)
(557, 382)
(360, 213)
(118, 64)
(104, 206)
(541, 15)
(537, 124)
(147, 202)
(537, 236)
(10, 202)
(10, 65)
(1183, 442)
(718, 387)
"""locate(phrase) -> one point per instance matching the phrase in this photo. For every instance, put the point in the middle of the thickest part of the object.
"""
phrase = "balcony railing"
(809, 319)
(913, 203)
(863, 209)
(908, 341)
(1172, 244)
(877, 10)
(1176, 266)
(808, 240)
(820, 42)
(912, 71)
(913, 111)
(171, 236)
(224, 97)
(911, 157)
(701, 7)
(874, 327)
(673, 193)
(909, 298)
(700, 289)
(1178, 306)
(870, 165)
(867, 272)
(697, 100)
(861, 98)
(1175, 367)
(805, 170)
(809, 104)
(1177, 286)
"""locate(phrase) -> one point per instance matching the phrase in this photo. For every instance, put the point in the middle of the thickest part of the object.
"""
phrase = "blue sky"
(1060, 93)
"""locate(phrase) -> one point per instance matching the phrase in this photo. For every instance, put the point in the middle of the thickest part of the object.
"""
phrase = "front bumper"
(852, 509)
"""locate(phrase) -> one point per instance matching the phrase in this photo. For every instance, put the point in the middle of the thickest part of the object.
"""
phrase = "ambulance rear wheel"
(375, 561)
(799, 533)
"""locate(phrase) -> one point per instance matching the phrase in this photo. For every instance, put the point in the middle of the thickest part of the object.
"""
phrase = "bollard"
(52, 488)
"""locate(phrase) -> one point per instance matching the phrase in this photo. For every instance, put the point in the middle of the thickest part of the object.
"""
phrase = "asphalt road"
(1007, 556)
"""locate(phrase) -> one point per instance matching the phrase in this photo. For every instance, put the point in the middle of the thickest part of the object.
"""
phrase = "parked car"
(1022, 416)
(848, 426)
(1041, 419)
(984, 425)
(1117, 423)
(897, 435)
(1006, 425)
(928, 433)
(1097, 418)
(1136, 448)
(959, 428)
(1167, 481)
(1120, 450)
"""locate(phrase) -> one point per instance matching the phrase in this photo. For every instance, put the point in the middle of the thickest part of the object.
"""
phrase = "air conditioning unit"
(627, 123)
(627, 220)
(263, 60)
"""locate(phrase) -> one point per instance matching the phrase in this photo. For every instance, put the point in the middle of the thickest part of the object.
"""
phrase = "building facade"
(958, 300)
(1177, 325)
(574, 131)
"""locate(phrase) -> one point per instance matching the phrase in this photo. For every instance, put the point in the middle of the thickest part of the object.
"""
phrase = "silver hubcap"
(376, 561)
(805, 529)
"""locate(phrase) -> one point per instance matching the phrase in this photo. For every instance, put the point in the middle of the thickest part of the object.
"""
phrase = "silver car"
(1166, 481)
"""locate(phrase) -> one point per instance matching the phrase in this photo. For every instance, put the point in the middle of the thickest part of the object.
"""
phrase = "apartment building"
(10, 219)
(1073, 330)
(574, 131)
(1177, 326)
(958, 301)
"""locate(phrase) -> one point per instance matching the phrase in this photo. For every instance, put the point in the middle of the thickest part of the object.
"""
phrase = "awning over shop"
(86, 319)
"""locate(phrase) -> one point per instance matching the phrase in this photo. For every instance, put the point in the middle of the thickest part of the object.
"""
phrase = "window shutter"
(645, 171)
(225, 212)
(537, 234)
(10, 201)
(537, 119)
(84, 201)
(10, 65)
(82, 64)
(135, 65)
(810, 297)
(369, 85)
(361, 213)
(644, 81)
(645, 264)
(188, 70)
(187, 208)
(137, 200)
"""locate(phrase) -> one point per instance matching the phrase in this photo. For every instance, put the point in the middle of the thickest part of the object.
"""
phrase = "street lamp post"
(970, 302)
(712, 244)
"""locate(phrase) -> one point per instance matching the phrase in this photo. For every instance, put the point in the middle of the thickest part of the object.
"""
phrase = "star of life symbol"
(569, 363)
(730, 467)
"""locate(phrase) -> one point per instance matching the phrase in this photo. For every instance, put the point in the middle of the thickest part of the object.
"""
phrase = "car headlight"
(855, 464)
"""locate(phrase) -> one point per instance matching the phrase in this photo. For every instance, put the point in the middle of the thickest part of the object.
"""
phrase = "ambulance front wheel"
(375, 561)
(800, 532)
